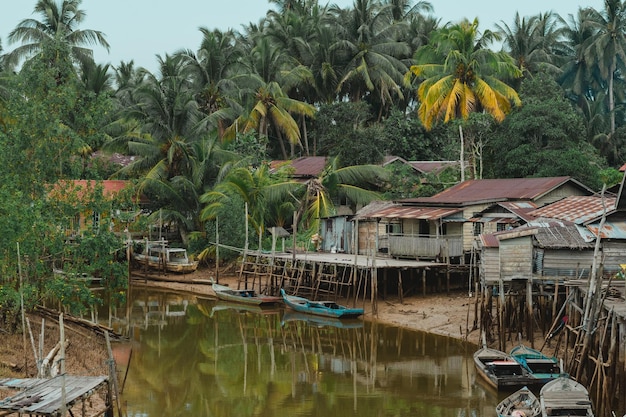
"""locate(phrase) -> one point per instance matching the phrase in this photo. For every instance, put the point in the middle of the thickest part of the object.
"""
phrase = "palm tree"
(532, 42)
(271, 107)
(264, 193)
(463, 76)
(607, 47)
(579, 77)
(374, 54)
(402, 9)
(60, 22)
(354, 184)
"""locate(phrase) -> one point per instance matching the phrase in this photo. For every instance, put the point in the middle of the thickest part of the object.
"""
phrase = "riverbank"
(447, 315)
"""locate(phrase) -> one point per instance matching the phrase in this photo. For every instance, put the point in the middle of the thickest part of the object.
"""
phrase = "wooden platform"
(44, 397)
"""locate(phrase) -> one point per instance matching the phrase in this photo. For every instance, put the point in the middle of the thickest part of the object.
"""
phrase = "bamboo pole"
(217, 249)
(245, 249)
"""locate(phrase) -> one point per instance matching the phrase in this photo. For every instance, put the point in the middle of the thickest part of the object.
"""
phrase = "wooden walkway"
(44, 397)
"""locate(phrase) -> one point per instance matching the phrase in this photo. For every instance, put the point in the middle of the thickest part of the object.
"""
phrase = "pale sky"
(142, 29)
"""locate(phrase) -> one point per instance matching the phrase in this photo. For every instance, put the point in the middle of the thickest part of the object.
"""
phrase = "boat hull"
(320, 308)
(521, 403)
(249, 297)
(500, 371)
(565, 397)
(541, 367)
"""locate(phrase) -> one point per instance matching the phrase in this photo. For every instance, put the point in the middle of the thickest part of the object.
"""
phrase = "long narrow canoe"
(250, 297)
(319, 308)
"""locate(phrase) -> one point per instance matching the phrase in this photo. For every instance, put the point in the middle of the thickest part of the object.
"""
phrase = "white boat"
(522, 403)
(565, 397)
(158, 255)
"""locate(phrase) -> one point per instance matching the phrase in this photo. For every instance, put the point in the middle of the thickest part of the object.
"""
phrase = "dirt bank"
(441, 314)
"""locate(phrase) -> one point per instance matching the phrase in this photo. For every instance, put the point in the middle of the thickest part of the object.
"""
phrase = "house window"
(478, 228)
(443, 229)
(329, 226)
(500, 227)
(393, 228)
(424, 226)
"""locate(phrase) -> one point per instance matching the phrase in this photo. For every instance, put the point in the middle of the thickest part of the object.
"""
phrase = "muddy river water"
(198, 357)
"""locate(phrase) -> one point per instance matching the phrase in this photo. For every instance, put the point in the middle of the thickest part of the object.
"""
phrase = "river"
(190, 356)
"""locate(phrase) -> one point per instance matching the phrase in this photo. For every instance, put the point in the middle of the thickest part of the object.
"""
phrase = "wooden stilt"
(400, 290)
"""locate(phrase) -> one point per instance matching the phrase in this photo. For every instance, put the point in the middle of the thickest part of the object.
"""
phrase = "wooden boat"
(565, 397)
(158, 255)
(522, 403)
(249, 297)
(499, 369)
(542, 367)
(320, 321)
(319, 308)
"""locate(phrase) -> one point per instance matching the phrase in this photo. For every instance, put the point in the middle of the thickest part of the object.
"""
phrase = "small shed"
(336, 233)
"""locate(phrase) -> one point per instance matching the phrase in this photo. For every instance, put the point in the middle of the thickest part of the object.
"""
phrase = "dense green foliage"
(355, 85)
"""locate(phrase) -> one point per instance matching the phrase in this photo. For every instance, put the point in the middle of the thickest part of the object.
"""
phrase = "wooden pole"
(529, 306)
(294, 236)
(19, 271)
(217, 249)
(62, 347)
(245, 249)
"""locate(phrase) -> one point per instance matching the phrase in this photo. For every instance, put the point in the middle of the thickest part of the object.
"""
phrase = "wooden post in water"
(400, 290)
(245, 248)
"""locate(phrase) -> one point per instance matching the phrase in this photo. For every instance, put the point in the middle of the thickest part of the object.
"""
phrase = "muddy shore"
(447, 315)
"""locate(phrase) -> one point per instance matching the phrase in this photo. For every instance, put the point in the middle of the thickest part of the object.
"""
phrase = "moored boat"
(522, 403)
(499, 369)
(565, 397)
(542, 367)
(319, 308)
(158, 255)
(250, 297)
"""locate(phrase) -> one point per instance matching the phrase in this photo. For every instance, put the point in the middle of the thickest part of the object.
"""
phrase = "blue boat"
(541, 367)
(319, 308)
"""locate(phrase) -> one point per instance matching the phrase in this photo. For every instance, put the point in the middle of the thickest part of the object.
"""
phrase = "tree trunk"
(611, 96)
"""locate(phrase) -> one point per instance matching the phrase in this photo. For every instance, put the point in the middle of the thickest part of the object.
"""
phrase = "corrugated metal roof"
(373, 207)
(610, 230)
(486, 190)
(307, 166)
(576, 209)
(427, 167)
(562, 237)
(409, 212)
(519, 208)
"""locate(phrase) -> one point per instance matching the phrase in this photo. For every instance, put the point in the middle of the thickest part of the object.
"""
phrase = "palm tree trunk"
(305, 135)
(282, 144)
(611, 97)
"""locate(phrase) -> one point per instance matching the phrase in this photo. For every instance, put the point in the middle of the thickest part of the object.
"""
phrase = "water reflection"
(202, 358)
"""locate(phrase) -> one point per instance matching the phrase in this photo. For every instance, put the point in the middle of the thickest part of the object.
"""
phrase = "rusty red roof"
(304, 167)
(409, 212)
(428, 167)
(494, 190)
(576, 209)
(109, 187)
